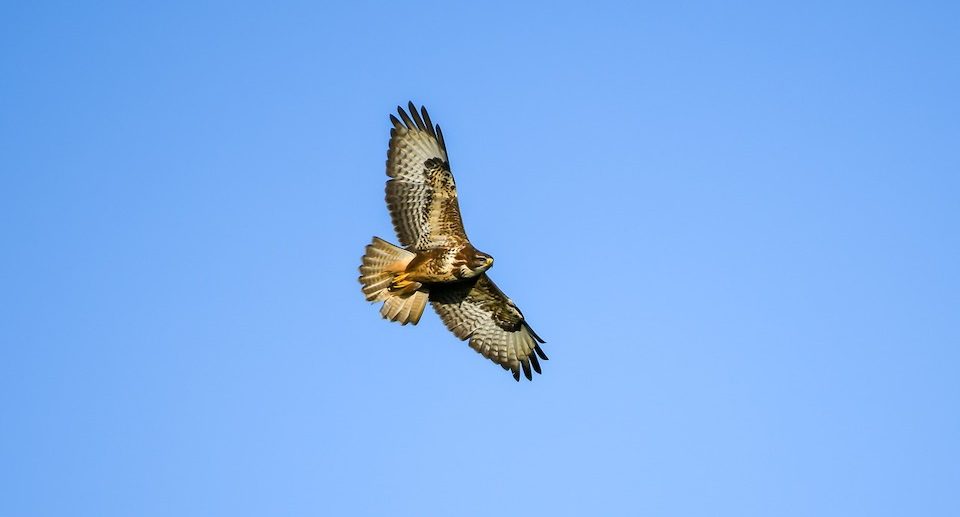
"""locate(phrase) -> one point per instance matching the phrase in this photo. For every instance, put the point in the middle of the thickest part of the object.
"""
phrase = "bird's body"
(439, 263)
(446, 264)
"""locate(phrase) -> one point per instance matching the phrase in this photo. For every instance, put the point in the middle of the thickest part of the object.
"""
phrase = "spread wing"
(421, 193)
(478, 310)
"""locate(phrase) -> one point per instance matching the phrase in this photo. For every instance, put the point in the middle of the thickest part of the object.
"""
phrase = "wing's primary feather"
(479, 311)
(421, 193)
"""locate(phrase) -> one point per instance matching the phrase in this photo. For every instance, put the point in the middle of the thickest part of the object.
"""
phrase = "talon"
(399, 282)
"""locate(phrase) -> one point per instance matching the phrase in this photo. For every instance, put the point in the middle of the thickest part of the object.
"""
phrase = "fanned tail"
(382, 263)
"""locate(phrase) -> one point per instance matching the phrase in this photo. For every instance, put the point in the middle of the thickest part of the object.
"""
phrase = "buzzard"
(438, 263)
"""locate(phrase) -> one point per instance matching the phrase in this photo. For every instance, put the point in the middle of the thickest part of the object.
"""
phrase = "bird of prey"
(438, 263)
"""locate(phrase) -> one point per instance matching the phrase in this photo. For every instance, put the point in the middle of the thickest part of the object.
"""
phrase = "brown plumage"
(439, 263)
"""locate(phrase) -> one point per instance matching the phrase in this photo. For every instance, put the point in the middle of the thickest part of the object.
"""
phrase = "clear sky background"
(735, 224)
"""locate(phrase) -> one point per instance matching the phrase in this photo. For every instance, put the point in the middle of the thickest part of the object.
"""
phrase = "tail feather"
(405, 310)
(382, 262)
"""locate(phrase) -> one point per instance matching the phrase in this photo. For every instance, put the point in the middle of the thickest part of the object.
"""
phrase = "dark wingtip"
(406, 118)
(416, 117)
(516, 375)
(526, 370)
(443, 145)
(535, 363)
(532, 333)
(539, 352)
(427, 122)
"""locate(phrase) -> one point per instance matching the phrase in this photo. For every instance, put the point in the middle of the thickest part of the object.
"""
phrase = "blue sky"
(735, 224)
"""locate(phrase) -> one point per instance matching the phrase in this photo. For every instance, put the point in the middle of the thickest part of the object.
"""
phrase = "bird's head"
(479, 263)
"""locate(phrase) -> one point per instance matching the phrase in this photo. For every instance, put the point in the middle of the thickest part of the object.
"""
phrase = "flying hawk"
(438, 263)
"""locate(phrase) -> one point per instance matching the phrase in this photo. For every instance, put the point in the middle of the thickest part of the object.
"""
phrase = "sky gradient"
(735, 225)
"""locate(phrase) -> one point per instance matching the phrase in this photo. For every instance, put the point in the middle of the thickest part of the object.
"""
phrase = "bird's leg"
(401, 282)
